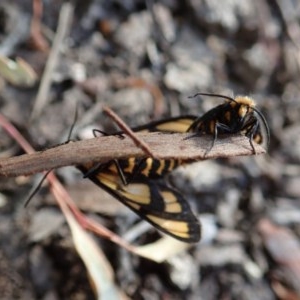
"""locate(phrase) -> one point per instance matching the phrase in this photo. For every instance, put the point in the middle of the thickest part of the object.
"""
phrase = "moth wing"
(155, 202)
(176, 124)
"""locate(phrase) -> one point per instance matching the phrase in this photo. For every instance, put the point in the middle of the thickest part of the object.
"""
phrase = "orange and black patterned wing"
(153, 201)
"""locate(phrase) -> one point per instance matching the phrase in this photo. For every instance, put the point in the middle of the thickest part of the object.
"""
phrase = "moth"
(140, 184)
(235, 115)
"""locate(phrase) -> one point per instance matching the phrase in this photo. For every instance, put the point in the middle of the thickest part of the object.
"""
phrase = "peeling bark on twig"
(102, 149)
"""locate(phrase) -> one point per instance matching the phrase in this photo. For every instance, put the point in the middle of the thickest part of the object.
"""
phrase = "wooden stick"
(102, 149)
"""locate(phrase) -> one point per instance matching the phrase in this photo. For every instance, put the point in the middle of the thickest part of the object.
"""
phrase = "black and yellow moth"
(140, 184)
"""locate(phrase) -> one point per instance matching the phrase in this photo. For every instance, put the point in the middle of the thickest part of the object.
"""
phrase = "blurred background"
(143, 59)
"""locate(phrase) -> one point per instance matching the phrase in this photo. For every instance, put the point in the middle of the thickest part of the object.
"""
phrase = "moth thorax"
(243, 111)
(228, 116)
(244, 100)
(246, 105)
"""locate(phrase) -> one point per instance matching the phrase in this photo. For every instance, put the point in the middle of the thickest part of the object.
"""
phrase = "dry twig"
(101, 149)
(37, 39)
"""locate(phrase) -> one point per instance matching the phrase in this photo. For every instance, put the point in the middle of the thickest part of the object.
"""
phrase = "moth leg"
(119, 135)
(120, 172)
(93, 170)
(217, 127)
(137, 171)
(36, 189)
(98, 168)
(253, 129)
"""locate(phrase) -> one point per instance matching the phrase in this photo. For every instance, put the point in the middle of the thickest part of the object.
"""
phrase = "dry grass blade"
(100, 270)
(162, 249)
(65, 17)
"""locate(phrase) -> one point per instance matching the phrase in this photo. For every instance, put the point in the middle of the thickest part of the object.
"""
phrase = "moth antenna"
(119, 135)
(213, 95)
(265, 124)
